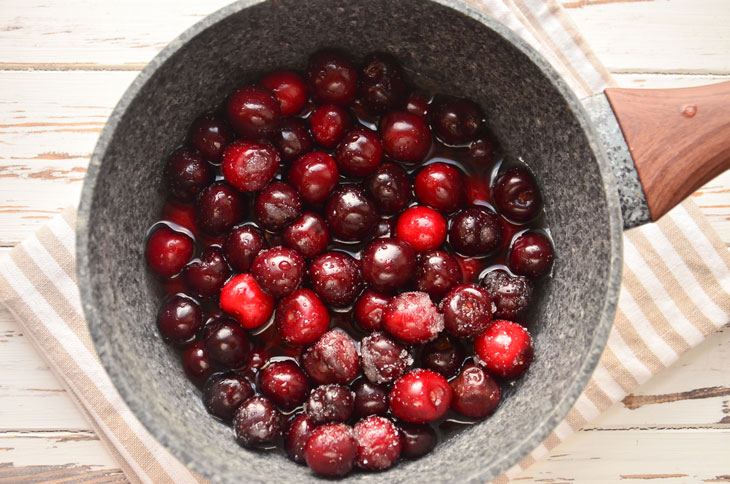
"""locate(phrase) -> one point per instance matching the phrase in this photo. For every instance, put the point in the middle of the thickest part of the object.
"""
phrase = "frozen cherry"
(242, 246)
(383, 360)
(370, 399)
(417, 104)
(444, 355)
(218, 209)
(406, 137)
(417, 440)
(378, 443)
(383, 84)
(413, 318)
(308, 235)
(475, 231)
(209, 135)
(254, 112)
(329, 123)
(315, 176)
(331, 78)
(437, 273)
(288, 88)
(277, 206)
(388, 264)
(475, 394)
(505, 349)
(422, 227)
(227, 343)
(302, 318)
(249, 166)
(516, 195)
(331, 450)
(441, 186)
(186, 174)
(196, 362)
(389, 187)
(296, 437)
(350, 214)
(467, 310)
(206, 275)
(329, 404)
(285, 384)
(332, 359)
(243, 298)
(224, 392)
(359, 153)
(531, 255)
(257, 422)
(168, 251)
(293, 139)
(336, 278)
(420, 396)
(455, 121)
(279, 271)
(369, 310)
(179, 319)
(510, 294)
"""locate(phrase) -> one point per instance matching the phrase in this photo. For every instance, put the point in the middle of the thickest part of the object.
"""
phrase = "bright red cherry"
(181, 214)
(369, 310)
(288, 88)
(378, 443)
(422, 227)
(329, 123)
(420, 396)
(250, 166)
(302, 318)
(413, 318)
(441, 186)
(505, 349)
(331, 450)
(244, 299)
(406, 137)
(168, 251)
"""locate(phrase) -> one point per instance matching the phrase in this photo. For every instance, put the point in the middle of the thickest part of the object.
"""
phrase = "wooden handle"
(679, 138)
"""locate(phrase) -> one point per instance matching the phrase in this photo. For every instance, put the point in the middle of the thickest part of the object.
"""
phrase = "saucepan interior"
(462, 52)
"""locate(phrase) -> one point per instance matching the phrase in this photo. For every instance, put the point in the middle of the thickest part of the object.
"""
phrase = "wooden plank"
(64, 473)
(56, 446)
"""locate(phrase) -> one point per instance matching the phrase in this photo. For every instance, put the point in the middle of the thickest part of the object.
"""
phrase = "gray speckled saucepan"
(531, 110)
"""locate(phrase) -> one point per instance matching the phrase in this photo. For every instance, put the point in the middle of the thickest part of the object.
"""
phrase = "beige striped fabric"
(676, 290)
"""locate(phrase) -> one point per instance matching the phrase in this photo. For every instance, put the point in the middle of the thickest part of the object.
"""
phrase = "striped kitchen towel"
(675, 291)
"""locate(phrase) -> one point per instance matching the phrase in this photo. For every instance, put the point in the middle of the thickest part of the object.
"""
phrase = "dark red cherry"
(277, 206)
(510, 294)
(350, 214)
(329, 404)
(422, 227)
(378, 443)
(254, 112)
(196, 362)
(441, 186)
(179, 319)
(482, 152)
(475, 231)
(227, 343)
(383, 85)
(531, 255)
(288, 88)
(370, 399)
(244, 299)
(257, 422)
(516, 195)
(420, 396)
(444, 355)
(209, 135)
(385, 228)
(467, 310)
(249, 166)
(389, 187)
(256, 360)
(331, 450)
(243, 245)
(475, 393)
(359, 153)
(168, 251)
(329, 123)
(383, 360)
(279, 271)
(187, 174)
(224, 392)
(285, 384)
(302, 318)
(405, 136)
(293, 139)
(455, 121)
(332, 359)
(331, 78)
(388, 264)
(369, 310)
(295, 440)
(417, 440)
(336, 278)
(413, 318)
(308, 235)
(218, 209)
(315, 176)
(417, 104)
(437, 273)
(206, 275)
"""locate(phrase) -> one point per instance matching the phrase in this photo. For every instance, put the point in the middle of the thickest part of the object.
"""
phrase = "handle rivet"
(689, 111)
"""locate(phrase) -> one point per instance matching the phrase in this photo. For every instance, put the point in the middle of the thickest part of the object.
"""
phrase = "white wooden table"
(63, 66)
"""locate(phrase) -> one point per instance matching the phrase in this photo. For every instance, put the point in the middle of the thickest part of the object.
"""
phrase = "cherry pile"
(346, 262)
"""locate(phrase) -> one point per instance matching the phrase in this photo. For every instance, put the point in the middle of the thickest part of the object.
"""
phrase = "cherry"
(243, 298)
(482, 153)
(389, 187)
(336, 278)
(207, 275)
(516, 195)
(510, 294)
(179, 319)
(406, 137)
(285, 384)
(475, 231)
(331, 78)
(505, 349)
(250, 166)
(277, 206)
(444, 355)
(455, 121)
(470, 268)
(296, 437)
(441, 186)
(308, 235)
(475, 394)
(417, 104)
(420, 396)
(181, 214)
(196, 362)
(242, 245)
(209, 135)
(370, 399)
(413, 318)
(369, 310)
(288, 88)
(359, 153)
(422, 227)
(257, 422)
(329, 123)
(467, 310)
(256, 360)
(331, 450)
(378, 443)
(224, 392)
(168, 251)
(315, 176)
(254, 112)
(293, 139)
(383, 84)
(382, 359)
(332, 359)
(388, 264)
(227, 343)
(437, 273)
(329, 404)
(531, 255)
(350, 214)
(302, 318)
(279, 271)
(218, 209)
(186, 174)
(417, 440)
(385, 228)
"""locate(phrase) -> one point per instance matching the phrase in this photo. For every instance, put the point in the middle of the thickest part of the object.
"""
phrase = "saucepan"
(591, 168)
